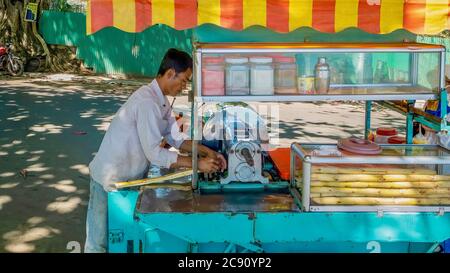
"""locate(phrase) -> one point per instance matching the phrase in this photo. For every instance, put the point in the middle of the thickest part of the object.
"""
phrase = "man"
(133, 142)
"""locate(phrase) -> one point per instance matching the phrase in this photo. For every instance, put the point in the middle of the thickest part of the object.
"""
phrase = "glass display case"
(295, 72)
(400, 178)
(321, 71)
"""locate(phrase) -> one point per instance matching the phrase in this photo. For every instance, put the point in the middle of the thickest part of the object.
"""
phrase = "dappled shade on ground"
(50, 128)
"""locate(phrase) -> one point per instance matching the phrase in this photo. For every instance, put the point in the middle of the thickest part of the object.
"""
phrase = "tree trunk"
(26, 40)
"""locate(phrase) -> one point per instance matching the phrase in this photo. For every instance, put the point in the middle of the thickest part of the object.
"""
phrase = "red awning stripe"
(369, 16)
(185, 14)
(323, 15)
(101, 14)
(231, 14)
(278, 15)
(414, 15)
(143, 14)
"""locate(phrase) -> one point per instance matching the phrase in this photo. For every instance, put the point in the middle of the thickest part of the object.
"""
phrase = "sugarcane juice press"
(278, 200)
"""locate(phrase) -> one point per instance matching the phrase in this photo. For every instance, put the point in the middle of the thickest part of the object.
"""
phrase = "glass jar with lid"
(237, 76)
(285, 75)
(213, 76)
(261, 76)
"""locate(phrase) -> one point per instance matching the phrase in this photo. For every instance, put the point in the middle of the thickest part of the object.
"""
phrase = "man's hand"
(205, 152)
(215, 155)
(208, 165)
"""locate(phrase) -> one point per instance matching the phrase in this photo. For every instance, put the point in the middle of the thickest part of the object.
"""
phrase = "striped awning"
(373, 16)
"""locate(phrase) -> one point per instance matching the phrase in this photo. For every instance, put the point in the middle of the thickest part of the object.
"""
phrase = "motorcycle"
(9, 62)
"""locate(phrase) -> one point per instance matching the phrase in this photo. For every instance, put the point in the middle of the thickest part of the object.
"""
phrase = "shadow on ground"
(50, 128)
(49, 132)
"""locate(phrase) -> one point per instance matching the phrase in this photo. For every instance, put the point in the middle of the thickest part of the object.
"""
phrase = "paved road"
(52, 126)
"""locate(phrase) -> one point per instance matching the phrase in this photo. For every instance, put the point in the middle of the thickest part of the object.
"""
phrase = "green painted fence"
(112, 51)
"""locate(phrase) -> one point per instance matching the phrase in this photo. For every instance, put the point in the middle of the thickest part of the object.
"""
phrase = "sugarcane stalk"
(180, 187)
(377, 192)
(344, 194)
(380, 201)
(153, 180)
(378, 178)
(388, 185)
(370, 170)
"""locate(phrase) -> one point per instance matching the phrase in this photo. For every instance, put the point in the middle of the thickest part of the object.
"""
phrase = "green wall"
(113, 51)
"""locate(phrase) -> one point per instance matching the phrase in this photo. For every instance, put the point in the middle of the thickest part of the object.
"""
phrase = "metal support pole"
(368, 117)
(195, 147)
(409, 122)
(306, 178)
(443, 93)
(292, 166)
(443, 106)
(195, 119)
(414, 74)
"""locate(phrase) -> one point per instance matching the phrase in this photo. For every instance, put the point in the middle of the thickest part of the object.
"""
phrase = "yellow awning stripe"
(163, 12)
(346, 14)
(391, 15)
(254, 12)
(122, 11)
(300, 14)
(435, 19)
(209, 12)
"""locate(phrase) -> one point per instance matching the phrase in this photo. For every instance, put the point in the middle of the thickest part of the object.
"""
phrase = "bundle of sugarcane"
(331, 185)
(346, 175)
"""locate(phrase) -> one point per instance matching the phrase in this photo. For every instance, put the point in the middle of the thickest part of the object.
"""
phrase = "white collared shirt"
(134, 136)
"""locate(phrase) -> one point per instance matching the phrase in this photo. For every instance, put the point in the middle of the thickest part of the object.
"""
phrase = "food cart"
(392, 198)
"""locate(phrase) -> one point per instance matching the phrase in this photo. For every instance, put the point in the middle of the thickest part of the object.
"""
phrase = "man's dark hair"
(180, 61)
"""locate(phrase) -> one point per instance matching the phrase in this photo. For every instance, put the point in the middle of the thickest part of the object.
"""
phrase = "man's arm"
(207, 165)
(182, 162)
(186, 146)
(147, 119)
(204, 151)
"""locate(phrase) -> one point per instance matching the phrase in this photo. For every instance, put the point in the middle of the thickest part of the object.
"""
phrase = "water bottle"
(363, 68)
(381, 74)
(322, 76)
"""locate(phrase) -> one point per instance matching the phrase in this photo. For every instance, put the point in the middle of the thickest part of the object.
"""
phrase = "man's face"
(178, 82)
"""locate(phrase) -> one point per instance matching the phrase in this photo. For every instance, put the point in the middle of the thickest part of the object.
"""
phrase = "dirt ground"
(52, 125)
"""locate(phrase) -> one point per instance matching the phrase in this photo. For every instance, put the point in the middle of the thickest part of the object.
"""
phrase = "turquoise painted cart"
(186, 222)
(204, 216)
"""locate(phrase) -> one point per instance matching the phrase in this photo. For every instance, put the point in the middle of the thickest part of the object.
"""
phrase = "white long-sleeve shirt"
(134, 136)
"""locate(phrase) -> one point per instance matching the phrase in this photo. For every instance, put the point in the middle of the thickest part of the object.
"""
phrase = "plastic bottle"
(381, 74)
(285, 75)
(213, 77)
(419, 138)
(261, 76)
(322, 76)
(363, 68)
(237, 76)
